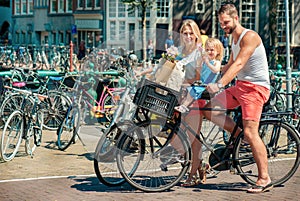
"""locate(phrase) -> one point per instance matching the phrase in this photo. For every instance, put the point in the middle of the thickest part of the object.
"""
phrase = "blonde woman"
(191, 58)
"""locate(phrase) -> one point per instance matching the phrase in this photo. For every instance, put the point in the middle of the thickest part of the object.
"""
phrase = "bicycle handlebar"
(199, 84)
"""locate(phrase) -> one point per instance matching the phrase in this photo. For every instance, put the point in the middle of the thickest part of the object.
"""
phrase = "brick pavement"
(77, 160)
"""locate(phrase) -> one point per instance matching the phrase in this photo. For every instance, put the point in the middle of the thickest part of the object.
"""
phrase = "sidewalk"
(55, 175)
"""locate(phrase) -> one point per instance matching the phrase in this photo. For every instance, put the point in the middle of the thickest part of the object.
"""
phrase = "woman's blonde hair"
(195, 29)
(217, 44)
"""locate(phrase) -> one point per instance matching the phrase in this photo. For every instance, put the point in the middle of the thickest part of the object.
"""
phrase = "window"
(30, 4)
(69, 6)
(121, 9)
(17, 7)
(162, 8)
(112, 8)
(53, 6)
(281, 25)
(80, 4)
(61, 5)
(112, 30)
(23, 7)
(97, 4)
(122, 28)
(248, 14)
(89, 4)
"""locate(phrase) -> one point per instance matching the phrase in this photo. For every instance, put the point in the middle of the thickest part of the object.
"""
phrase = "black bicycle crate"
(156, 98)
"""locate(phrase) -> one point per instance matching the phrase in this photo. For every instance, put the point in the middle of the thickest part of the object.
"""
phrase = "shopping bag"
(164, 71)
(176, 77)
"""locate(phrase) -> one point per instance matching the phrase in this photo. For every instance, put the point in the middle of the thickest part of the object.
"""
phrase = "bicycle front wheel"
(150, 160)
(283, 148)
(54, 115)
(105, 164)
(68, 129)
(12, 135)
(10, 104)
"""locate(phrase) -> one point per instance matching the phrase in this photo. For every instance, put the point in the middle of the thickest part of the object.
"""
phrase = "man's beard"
(231, 29)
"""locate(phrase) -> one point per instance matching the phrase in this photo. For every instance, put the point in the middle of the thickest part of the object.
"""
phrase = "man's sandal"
(182, 109)
(260, 189)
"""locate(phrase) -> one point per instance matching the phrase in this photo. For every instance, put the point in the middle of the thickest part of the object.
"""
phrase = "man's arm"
(248, 44)
(229, 63)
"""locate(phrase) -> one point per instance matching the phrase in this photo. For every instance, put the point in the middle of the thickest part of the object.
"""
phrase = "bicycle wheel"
(12, 135)
(147, 157)
(34, 132)
(296, 103)
(10, 104)
(54, 115)
(68, 129)
(283, 148)
(109, 108)
(105, 165)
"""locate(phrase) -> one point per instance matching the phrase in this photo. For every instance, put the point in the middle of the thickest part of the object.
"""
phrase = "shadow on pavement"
(92, 184)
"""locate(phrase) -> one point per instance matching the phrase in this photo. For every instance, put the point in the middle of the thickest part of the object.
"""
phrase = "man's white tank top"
(256, 69)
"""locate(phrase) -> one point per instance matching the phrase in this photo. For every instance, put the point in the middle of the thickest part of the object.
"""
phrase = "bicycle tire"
(12, 135)
(68, 129)
(283, 151)
(10, 104)
(109, 105)
(296, 103)
(152, 165)
(105, 164)
(34, 133)
(54, 116)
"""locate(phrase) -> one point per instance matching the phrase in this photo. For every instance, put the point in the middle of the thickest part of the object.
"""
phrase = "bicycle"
(156, 164)
(105, 149)
(81, 100)
(54, 108)
(25, 123)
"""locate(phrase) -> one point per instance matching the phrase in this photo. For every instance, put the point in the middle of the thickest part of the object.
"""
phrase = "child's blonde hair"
(217, 44)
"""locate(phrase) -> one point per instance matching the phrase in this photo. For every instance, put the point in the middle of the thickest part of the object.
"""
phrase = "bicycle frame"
(221, 158)
(100, 107)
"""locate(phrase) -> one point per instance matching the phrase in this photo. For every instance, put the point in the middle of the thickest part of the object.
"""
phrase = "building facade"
(108, 22)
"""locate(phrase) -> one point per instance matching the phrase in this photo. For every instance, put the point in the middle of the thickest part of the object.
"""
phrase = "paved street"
(69, 175)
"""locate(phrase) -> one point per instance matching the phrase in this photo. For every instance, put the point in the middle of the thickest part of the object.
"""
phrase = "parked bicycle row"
(58, 58)
(60, 94)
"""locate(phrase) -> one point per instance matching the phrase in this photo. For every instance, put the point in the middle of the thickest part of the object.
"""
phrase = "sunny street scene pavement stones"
(69, 175)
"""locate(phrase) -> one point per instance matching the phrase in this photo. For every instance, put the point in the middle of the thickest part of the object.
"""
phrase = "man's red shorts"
(249, 96)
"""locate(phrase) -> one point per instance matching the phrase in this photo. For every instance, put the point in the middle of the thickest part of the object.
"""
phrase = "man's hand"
(212, 88)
